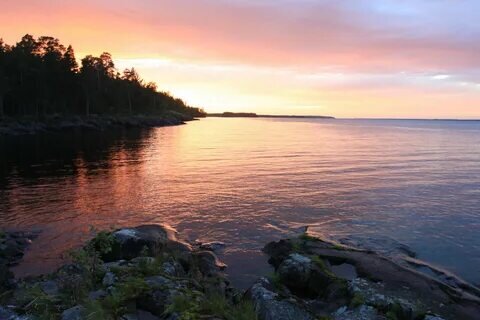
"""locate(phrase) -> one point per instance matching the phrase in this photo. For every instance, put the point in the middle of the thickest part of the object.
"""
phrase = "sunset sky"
(357, 58)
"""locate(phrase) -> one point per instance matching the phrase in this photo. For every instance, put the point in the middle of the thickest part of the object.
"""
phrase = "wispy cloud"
(345, 57)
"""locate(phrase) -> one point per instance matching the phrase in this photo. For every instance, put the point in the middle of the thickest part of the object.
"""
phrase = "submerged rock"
(212, 246)
(12, 247)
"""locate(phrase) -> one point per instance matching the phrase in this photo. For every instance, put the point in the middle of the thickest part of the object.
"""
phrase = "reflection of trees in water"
(62, 154)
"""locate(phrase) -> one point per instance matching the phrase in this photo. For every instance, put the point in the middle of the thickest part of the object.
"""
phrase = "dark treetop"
(41, 77)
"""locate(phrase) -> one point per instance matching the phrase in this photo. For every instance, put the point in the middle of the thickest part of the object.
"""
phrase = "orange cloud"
(359, 59)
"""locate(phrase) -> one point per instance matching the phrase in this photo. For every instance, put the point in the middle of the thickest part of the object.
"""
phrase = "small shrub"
(103, 242)
(130, 289)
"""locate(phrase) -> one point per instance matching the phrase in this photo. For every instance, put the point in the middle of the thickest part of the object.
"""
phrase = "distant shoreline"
(254, 115)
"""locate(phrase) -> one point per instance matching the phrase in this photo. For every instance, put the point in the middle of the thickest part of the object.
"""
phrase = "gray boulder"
(301, 275)
(270, 306)
(208, 263)
(131, 242)
(173, 268)
(75, 313)
(161, 293)
(295, 270)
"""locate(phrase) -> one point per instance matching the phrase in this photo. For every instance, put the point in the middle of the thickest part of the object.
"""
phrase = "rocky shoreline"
(25, 126)
(147, 272)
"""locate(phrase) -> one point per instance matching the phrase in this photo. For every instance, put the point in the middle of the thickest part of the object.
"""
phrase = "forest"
(42, 77)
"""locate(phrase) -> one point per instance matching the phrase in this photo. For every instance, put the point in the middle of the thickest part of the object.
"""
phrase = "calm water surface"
(375, 183)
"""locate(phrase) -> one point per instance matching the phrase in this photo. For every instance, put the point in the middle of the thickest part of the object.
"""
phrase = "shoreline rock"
(376, 287)
(29, 126)
(148, 272)
(143, 272)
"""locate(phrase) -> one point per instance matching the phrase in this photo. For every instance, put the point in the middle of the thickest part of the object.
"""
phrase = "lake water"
(381, 184)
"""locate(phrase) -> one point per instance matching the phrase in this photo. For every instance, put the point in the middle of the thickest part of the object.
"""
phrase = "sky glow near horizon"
(357, 58)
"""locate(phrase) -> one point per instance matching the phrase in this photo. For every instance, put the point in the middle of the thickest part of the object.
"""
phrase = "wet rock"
(278, 251)
(13, 245)
(270, 306)
(208, 263)
(212, 246)
(132, 242)
(75, 313)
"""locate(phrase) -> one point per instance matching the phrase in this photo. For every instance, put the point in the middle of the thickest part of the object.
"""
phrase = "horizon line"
(329, 117)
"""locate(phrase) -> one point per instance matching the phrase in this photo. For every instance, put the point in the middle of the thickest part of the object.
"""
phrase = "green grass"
(322, 265)
(186, 305)
(219, 306)
(94, 310)
(35, 302)
(357, 300)
(192, 305)
(275, 280)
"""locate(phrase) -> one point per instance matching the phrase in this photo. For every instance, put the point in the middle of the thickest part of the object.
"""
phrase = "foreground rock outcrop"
(330, 281)
(133, 273)
(148, 273)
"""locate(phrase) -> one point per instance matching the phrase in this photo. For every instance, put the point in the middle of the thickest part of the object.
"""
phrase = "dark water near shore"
(381, 184)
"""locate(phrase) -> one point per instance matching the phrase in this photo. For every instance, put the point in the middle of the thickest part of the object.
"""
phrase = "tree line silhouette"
(41, 77)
